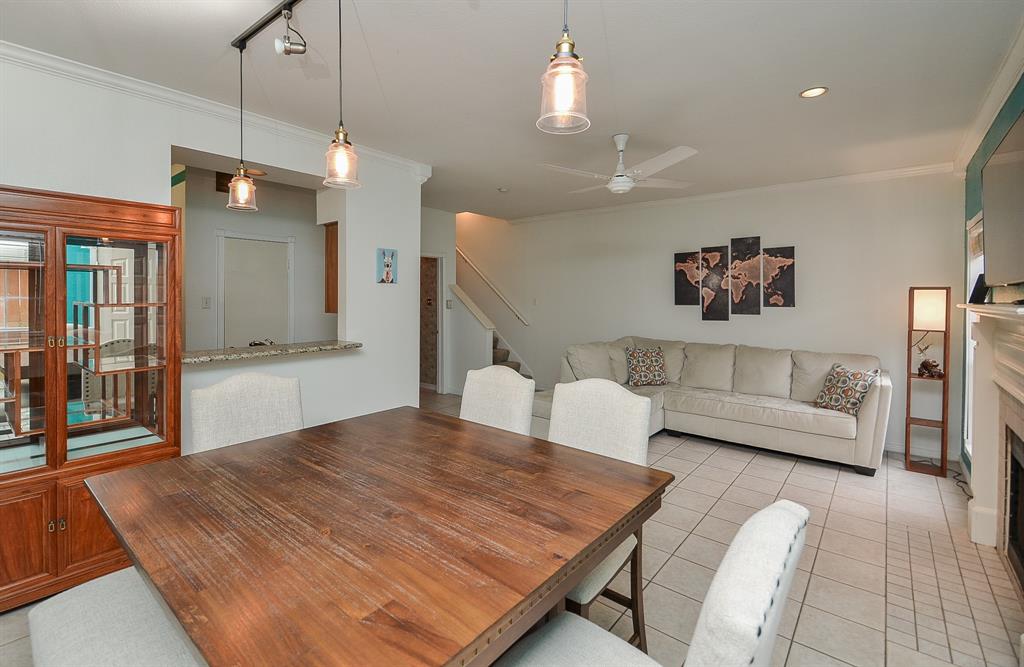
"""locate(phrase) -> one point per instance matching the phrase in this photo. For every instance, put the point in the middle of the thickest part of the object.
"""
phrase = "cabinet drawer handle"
(49, 341)
(51, 526)
(63, 524)
(60, 342)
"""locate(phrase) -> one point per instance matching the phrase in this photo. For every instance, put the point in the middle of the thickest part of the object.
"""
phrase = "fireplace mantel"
(996, 401)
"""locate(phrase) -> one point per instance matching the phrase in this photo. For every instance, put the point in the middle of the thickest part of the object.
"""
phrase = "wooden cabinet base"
(57, 584)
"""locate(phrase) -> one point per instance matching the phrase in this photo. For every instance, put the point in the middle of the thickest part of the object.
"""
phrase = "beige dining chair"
(498, 396)
(602, 417)
(738, 621)
(244, 407)
(115, 621)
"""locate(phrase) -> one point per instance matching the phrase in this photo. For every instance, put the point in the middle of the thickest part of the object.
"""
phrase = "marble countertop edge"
(263, 351)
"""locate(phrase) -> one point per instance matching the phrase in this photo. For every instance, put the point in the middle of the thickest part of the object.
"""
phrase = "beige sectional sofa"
(749, 395)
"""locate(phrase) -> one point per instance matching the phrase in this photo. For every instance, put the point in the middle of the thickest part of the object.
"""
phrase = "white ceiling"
(455, 83)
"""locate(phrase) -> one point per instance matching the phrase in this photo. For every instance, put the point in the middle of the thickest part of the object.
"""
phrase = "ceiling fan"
(636, 176)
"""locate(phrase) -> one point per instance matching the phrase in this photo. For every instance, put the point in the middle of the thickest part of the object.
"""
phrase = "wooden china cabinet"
(90, 311)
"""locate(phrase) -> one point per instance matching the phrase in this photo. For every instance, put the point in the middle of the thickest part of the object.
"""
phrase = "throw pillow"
(845, 389)
(645, 366)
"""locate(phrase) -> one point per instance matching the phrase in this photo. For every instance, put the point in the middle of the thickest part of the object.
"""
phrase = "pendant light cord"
(241, 134)
(341, 112)
(565, 15)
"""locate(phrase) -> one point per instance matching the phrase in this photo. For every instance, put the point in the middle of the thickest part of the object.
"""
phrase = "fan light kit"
(284, 46)
(811, 93)
(342, 161)
(624, 180)
(563, 102)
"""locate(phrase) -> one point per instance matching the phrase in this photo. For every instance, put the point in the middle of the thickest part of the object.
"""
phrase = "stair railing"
(494, 288)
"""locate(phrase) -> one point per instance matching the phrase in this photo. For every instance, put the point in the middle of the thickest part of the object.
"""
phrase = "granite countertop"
(261, 351)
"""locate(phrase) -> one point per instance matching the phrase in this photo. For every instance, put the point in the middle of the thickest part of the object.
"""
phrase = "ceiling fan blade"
(592, 187)
(663, 161)
(663, 183)
(575, 172)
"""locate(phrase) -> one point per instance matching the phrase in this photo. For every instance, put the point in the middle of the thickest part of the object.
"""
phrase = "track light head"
(284, 45)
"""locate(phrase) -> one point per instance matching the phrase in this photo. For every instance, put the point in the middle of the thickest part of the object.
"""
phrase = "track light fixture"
(285, 46)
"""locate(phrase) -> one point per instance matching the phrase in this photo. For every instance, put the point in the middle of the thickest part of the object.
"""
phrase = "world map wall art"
(737, 279)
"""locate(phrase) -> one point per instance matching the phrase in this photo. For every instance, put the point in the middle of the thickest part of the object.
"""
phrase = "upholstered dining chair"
(244, 407)
(602, 417)
(738, 621)
(498, 396)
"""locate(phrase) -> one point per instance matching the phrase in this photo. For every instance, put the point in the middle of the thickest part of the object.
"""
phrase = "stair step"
(514, 365)
(499, 354)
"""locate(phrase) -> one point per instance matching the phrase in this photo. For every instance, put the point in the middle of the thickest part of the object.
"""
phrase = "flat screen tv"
(1002, 188)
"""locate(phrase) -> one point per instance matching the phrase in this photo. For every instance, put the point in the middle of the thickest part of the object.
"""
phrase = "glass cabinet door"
(23, 343)
(116, 344)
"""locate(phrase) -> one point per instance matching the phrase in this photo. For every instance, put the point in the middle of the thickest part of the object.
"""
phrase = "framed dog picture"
(387, 266)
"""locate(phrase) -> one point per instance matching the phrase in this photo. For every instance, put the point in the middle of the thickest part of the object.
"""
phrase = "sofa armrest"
(873, 422)
(566, 374)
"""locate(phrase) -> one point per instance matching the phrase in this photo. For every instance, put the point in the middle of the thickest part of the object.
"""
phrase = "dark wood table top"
(396, 538)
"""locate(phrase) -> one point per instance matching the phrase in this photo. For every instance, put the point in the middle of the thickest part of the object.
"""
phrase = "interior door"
(428, 320)
(256, 291)
(27, 550)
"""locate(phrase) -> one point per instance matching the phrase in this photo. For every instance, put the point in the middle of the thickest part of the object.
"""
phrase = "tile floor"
(888, 576)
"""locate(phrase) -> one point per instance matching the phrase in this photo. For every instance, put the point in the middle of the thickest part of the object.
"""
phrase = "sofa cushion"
(645, 366)
(811, 368)
(591, 360)
(674, 354)
(542, 399)
(763, 371)
(763, 410)
(617, 352)
(709, 366)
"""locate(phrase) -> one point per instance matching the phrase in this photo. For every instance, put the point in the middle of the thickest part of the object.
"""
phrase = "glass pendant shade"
(563, 103)
(342, 163)
(242, 192)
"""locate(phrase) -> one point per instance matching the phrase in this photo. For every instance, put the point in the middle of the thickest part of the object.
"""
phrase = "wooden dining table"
(404, 537)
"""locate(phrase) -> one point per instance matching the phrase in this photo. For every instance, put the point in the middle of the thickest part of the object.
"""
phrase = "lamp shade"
(242, 193)
(929, 309)
(342, 165)
(563, 102)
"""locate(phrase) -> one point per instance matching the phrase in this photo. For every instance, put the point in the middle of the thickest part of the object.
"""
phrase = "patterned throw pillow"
(845, 389)
(645, 366)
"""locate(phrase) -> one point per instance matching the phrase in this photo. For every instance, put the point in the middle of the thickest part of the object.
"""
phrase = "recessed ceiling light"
(816, 91)
(503, 190)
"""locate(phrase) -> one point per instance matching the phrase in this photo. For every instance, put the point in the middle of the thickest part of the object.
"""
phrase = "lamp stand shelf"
(928, 313)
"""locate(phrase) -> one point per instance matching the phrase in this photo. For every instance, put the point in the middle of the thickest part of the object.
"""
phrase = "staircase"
(499, 357)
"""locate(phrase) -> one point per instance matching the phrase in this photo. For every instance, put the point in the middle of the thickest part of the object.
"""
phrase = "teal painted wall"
(1004, 120)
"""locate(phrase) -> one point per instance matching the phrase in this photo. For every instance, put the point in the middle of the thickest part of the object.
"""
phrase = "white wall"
(437, 239)
(68, 127)
(599, 275)
(284, 211)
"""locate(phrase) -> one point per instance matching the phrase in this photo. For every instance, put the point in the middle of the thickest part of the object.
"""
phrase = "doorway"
(430, 323)
(255, 295)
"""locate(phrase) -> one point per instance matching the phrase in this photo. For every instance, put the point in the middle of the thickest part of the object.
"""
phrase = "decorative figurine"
(929, 368)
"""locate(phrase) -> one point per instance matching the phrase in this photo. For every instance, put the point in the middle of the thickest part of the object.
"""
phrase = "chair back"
(498, 396)
(244, 407)
(602, 417)
(743, 606)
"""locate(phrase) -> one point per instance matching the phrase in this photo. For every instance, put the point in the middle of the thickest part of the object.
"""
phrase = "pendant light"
(241, 190)
(342, 161)
(563, 102)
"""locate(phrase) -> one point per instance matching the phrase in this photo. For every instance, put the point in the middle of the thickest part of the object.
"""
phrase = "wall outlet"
(448, 304)
(207, 301)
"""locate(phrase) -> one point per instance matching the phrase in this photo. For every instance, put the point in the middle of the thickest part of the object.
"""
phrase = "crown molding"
(87, 74)
(867, 177)
(1009, 73)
